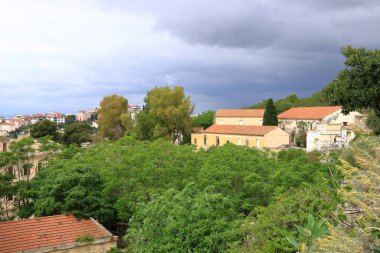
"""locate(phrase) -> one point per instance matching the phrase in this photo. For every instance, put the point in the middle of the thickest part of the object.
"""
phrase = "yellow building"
(239, 117)
(249, 136)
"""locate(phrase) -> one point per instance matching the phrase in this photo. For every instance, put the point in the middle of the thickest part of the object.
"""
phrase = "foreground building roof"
(255, 113)
(47, 232)
(309, 113)
(239, 130)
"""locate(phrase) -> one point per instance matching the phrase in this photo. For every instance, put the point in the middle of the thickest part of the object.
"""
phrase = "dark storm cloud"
(225, 53)
(248, 26)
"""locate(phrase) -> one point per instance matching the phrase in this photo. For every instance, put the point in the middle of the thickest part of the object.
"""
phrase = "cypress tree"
(270, 114)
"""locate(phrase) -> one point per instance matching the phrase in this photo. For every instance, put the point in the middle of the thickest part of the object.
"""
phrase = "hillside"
(292, 100)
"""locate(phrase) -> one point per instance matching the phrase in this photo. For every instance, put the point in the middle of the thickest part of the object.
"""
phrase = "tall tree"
(77, 133)
(171, 110)
(70, 119)
(358, 85)
(270, 114)
(114, 119)
(44, 128)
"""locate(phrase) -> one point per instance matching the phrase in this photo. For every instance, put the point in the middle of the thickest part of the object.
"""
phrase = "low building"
(324, 118)
(56, 117)
(249, 136)
(58, 233)
(34, 118)
(7, 127)
(242, 117)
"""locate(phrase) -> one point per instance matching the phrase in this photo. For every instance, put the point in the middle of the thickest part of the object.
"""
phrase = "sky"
(67, 55)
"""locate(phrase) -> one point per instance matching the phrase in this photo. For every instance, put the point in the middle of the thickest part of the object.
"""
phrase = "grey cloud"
(241, 30)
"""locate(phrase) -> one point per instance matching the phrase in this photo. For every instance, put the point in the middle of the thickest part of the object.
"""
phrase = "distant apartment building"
(34, 118)
(56, 117)
(85, 115)
(242, 127)
(134, 110)
(17, 122)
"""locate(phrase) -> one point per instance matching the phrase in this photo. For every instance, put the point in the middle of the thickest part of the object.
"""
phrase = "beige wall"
(290, 125)
(273, 139)
(236, 121)
(276, 138)
(93, 248)
(224, 138)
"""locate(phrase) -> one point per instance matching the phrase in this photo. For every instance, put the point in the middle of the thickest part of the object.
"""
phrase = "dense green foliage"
(358, 85)
(70, 119)
(114, 119)
(152, 185)
(270, 114)
(204, 119)
(44, 128)
(282, 105)
(166, 114)
(373, 122)
(77, 133)
(186, 221)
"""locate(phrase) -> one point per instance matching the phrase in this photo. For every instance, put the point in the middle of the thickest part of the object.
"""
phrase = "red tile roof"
(309, 113)
(256, 113)
(240, 130)
(47, 231)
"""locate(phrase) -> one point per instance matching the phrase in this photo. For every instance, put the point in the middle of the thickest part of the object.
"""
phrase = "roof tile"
(309, 113)
(240, 130)
(47, 231)
(256, 113)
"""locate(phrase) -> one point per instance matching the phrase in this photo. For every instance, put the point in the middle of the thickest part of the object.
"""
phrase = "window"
(217, 141)
(247, 142)
(4, 146)
(221, 122)
(241, 122)
(39, 166)
(195, 141)
(9, 197)
(257, 143)
(228, 141)
(10, 170)
(26, 168)
(205, 140)
(239, 141)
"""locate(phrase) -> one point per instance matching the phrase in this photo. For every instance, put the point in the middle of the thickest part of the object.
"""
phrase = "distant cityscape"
(11, 124)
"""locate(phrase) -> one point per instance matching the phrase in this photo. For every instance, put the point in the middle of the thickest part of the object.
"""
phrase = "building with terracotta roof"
(241, 127)
(58, 233)
(242, 117)
(56, 117)
(249, 136)
(325, 122)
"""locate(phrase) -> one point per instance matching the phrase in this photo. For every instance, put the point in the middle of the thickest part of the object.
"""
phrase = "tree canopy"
(44, 128)
(77, 133)
(292, 100)
(358, 84)
(166, 114)
(270, 114)
(204, 119)
(113, 119)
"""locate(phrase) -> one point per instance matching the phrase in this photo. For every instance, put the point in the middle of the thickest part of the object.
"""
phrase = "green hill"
(292, 100)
